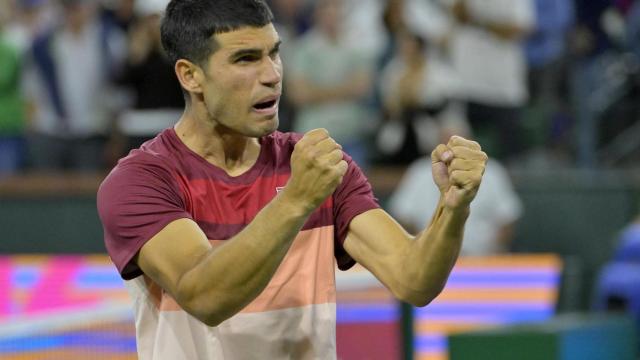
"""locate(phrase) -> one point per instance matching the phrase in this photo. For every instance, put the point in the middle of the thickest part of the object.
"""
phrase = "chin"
(267, 127)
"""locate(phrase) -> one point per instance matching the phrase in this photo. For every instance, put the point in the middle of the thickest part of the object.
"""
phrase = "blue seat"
(628, 250)
(619, 284)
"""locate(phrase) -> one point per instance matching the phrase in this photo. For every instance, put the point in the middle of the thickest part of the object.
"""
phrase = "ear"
(190, 76)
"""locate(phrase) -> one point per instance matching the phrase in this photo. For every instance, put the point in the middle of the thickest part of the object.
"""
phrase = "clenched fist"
(458, 167)
(317, 168)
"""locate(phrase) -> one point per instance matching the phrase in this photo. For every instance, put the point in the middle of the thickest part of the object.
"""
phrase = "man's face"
(243, 81)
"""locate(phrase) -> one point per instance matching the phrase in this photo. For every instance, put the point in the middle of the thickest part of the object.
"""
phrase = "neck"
(232, 152)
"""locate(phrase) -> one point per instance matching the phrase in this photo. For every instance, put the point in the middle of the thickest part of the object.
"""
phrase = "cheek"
(238, 90)
(230, 95)
(242, 81)
(231, 84)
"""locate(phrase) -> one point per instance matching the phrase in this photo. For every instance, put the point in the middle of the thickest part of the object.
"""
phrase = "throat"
(235, 161)
(233, 153)
(234, 166)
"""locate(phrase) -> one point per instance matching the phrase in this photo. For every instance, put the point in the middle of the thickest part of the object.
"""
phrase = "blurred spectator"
(547, 60)
(428, 19)
(416, 88)
(487, 53)
(67, 84)
(292, 18)
(591, 48)
(371, 25)
(546, 48)
(328, 82)
(118, 13)
(590, 37)
(394, 22)
(157, 97)
(30, 18)
(11, 102)
(494, 211)
(633, 29)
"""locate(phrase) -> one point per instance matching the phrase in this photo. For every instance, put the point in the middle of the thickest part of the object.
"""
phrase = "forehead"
(247, 38)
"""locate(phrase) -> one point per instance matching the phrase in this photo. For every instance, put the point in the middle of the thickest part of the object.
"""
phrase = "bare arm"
(505, 31)
(502, 30)
(416, 269)
(199, 277)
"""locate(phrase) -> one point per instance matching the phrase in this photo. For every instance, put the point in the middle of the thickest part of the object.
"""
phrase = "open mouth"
(264, 105)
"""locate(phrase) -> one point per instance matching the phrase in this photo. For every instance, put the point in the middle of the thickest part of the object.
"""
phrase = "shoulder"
(153, 160)
(139, 161)
(152, 154)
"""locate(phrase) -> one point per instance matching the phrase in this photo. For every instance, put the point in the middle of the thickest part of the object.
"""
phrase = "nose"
(271, 74)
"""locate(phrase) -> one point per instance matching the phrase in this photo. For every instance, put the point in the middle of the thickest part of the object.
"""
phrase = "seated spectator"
(416, 89)
(11, 103)
(487, 53)
(148, 73)
(329, 81)
(494, 212)
(67, 84)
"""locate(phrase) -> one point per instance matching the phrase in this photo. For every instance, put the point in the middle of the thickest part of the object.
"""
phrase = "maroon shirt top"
(164, 181)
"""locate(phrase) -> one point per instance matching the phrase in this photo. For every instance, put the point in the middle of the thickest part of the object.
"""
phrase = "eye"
(246, 59)
(275, 52)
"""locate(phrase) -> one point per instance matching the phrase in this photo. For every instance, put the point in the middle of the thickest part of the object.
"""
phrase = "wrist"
(293, 205)
(460, 212)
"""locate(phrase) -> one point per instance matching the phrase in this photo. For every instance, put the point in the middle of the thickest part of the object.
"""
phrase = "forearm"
(236, 272)
(432, 255)
(415, 269)
(506, 31)
(503, 30)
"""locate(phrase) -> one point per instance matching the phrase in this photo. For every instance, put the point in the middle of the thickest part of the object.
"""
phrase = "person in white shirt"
(487, 52)
(67, 86)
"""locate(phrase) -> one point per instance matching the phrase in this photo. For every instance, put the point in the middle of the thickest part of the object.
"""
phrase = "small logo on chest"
(279, 189)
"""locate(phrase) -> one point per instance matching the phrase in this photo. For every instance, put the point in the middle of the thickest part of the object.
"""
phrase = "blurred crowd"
(539, 83)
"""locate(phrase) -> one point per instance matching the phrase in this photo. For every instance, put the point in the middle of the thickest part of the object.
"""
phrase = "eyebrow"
(255, 51)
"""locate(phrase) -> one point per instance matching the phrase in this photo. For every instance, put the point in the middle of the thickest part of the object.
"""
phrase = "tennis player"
(228, 231)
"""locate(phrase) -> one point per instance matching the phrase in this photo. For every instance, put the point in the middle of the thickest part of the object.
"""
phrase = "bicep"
(379, 243)
(172, 253)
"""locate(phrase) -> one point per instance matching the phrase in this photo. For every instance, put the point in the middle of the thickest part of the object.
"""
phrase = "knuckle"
(476, 179)
(307, 152)
(343, 167)
(323, 133)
